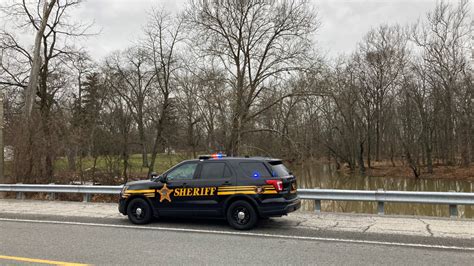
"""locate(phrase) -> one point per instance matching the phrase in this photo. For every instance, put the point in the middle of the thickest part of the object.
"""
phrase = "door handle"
(226, 183)
(185, 184)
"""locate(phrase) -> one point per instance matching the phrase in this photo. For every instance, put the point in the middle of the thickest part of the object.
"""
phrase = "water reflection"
(317, 175)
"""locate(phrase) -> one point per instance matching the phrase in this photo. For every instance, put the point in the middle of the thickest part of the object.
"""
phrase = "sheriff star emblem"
(165, 193)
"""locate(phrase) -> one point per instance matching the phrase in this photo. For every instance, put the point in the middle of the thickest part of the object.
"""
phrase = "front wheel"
(139, 211)
(241, 215)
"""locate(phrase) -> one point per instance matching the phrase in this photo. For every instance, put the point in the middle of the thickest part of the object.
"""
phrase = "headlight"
(124, 189)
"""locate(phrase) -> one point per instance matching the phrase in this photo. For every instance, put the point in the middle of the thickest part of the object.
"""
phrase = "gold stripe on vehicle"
(144, 194)
(270, 192)
(236, 192)
(236, 187)
(244, 192)
(139, 191)
(247, 187)
(240, 186)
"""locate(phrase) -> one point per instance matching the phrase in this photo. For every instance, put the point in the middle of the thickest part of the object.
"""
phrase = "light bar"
(212, 156)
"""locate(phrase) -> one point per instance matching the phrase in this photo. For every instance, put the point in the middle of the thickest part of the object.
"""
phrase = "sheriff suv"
(239, 189)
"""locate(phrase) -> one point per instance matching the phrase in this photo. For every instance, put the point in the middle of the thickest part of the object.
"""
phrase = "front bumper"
(279, 206)
(122, 205)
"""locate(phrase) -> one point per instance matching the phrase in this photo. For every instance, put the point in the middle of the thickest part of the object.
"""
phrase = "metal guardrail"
(453, 199)
(51, 189)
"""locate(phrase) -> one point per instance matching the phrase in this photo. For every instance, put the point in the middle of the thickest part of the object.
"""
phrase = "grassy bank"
(106, 164)
(110, 166)
(108, 170)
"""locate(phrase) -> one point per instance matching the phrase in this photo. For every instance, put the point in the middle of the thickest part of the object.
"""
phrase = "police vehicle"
(239, 189)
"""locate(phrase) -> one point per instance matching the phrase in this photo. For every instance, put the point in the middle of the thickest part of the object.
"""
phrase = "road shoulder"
(364, 226)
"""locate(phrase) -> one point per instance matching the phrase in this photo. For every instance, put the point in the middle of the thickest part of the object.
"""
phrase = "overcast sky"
(344, 22)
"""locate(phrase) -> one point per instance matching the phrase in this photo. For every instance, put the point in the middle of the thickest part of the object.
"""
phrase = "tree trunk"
(48, 157)
(94, 165)
(235, 135)
(369, 140)
(465, 143)
(392, 154)
(45, 112)
(412, 164)
(361, 159)
(156, 145)
(143, 143)
(30, 92)
(125, 158)
(377, 136)
(159, 133)
(71, 157)
(429, 151)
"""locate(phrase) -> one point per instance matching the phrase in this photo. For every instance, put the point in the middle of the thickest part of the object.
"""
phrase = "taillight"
(277, 184)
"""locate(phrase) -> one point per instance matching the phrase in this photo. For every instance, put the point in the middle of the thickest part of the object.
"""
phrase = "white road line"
(238, 233)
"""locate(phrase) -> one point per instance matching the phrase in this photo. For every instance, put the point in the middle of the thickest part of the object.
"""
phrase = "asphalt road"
(115, 242)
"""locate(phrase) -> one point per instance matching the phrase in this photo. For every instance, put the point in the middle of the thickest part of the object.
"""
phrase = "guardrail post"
(86, 198)
(317, 206)
(380, 208)
(380, 204)
(20, 195)
(51, 195)
(453, 211)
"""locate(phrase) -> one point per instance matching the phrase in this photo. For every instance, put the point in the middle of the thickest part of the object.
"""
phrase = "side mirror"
(153, 175)
(162, 179)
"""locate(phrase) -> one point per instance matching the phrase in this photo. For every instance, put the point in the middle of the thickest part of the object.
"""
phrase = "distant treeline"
(241, 77)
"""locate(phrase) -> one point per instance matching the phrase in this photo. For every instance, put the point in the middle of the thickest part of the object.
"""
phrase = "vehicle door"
(214, 178)
(171, 198)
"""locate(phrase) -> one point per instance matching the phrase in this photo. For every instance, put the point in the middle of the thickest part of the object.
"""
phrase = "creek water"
(321, 175)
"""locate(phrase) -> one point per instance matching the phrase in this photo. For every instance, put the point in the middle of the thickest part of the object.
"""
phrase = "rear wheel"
(241, 215)
(139, 211)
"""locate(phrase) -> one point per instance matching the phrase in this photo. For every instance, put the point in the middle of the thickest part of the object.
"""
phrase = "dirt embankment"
(386, 169)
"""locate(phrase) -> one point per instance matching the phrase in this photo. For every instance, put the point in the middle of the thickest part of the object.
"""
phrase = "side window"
(185, 171)
(255, 170)
(215, 171)
(227, 172)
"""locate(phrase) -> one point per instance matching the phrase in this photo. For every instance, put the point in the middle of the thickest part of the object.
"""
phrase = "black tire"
(139, 211)
(248, 216)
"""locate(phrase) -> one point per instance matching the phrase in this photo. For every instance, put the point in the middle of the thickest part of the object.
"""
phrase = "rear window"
(279, 169)
(255, 169)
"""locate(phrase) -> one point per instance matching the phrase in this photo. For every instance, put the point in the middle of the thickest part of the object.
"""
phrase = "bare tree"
(443, 39)
(135, 72)
(189, 85)
(254, 41)
(36, 58)
(163, 36)
(236, 76)
(380, 62)
(54, 30)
